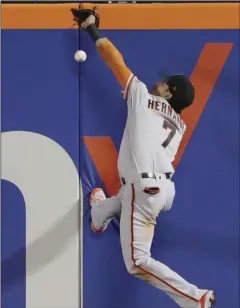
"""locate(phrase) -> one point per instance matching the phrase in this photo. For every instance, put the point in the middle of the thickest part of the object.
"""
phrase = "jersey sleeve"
(135, 92)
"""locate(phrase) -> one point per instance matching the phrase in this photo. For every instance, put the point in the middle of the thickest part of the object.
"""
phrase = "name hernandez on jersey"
(167, 112)
(151, 137)
(153, 131)
(135, 94)
(134, 90)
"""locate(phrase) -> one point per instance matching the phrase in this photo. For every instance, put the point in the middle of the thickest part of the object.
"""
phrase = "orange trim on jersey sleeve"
(128, 85)
(114, 61)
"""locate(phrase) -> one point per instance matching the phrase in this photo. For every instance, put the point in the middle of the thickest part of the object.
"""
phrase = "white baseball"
(80, 56)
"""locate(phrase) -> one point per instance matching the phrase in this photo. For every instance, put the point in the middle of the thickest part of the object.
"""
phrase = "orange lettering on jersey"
(204, 78)
(102, 149)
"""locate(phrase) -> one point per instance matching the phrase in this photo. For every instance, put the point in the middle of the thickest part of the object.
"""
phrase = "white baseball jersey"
(150, 142)
(152, 134)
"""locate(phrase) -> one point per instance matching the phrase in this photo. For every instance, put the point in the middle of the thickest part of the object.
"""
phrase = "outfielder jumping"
(152, 135)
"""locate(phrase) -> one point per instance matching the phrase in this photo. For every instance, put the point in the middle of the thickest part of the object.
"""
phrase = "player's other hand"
(89, 21)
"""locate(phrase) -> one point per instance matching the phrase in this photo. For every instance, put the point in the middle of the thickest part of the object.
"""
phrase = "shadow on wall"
(42, 251)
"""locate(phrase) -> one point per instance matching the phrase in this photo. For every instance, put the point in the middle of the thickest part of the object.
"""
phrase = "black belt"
(150, 175)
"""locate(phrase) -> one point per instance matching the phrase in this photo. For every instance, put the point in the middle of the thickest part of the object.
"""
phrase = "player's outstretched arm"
(114, 59)
(111, 55)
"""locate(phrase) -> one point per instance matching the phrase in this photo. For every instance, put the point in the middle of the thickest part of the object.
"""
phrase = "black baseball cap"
(182, 90)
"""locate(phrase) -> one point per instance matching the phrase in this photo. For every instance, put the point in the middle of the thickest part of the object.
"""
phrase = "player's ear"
(154, 91)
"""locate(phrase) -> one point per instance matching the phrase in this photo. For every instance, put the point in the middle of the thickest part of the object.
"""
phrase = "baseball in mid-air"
(80, 56)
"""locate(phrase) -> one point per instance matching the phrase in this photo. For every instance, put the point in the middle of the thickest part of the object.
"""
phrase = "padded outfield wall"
(62, 121)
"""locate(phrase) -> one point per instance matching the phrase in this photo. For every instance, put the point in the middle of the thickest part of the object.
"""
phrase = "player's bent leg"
(103, 209)
(137, 230)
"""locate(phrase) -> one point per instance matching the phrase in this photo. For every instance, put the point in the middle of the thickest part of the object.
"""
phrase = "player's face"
(163, 90)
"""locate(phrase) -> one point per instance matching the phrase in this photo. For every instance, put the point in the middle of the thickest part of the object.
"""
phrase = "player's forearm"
(111, 56)
(114, 59)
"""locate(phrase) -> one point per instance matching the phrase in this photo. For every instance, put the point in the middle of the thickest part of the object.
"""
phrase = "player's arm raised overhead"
(114, 60)
(111, 55)
(135, 91)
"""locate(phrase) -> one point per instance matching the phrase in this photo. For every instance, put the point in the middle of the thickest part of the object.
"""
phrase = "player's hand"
(89, 21)
(85, 17)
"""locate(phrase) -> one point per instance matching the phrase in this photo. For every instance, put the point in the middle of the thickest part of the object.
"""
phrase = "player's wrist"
(94, 32)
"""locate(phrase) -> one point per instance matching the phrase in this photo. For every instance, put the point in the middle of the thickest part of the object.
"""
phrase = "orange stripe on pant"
(132, 253)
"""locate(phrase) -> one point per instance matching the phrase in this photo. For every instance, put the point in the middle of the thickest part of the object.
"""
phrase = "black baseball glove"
(81, 14)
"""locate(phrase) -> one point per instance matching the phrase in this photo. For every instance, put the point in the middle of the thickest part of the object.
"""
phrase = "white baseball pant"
(139, 211)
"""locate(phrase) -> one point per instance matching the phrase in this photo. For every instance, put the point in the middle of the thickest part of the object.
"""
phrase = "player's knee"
(132, 269)
(137, 267)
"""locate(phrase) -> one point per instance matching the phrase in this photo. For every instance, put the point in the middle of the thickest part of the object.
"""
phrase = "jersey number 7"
(166, 125)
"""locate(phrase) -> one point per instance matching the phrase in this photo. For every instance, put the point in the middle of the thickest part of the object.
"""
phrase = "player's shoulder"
(134, 87)
(140, 84)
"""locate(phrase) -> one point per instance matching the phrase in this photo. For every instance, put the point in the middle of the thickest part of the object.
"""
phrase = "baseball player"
(153, 132)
